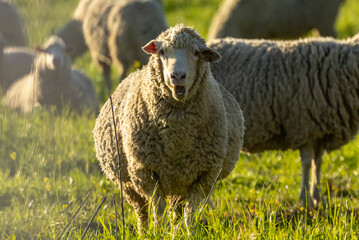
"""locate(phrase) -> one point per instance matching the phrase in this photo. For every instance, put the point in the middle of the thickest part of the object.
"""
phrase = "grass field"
(48, 166)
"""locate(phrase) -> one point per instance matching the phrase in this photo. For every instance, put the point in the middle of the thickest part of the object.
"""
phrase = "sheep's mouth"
(180, 90)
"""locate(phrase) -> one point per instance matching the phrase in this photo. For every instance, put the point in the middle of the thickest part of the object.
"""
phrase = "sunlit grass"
(48, 166)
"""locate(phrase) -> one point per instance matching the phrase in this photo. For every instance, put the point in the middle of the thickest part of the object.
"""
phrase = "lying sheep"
(17, 62)
(72, 33)
(11, 27)
(294, 95)
(177, 128)
(115, 31)
(281, 19)
(52, 83)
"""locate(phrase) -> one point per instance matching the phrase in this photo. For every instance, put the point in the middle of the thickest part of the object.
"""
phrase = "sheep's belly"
(176, 179)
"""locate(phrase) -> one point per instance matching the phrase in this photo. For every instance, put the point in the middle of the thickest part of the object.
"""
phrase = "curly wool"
(293, 93)
(180, 145)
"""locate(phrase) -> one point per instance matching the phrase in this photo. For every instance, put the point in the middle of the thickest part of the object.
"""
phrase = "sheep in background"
(52, 83)
(177, 127)
(17, 62)
(115, 31)
(11, 27)
(281, 19)
(300, 94)
(72, 33)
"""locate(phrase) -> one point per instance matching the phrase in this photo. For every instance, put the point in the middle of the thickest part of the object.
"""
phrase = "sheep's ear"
(209, 55)
(152, 47)
(39, 49)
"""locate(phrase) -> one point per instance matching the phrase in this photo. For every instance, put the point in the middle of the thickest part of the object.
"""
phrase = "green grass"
(48, 165)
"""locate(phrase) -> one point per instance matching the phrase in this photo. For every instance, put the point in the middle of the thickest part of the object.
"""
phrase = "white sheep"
(72, 33)
(177, 128)
(300, 94)
(11, 26)
(115, 31)
(281, 19)
(52, 83)
(17, 62)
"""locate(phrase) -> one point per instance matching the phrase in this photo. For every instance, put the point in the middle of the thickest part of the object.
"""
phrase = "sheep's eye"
(196, 53)
(161, 52)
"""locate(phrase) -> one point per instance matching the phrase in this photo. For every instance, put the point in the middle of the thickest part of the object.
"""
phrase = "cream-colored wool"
(11, 26)
(177, 146)
(72, 33)
(294, 95)
(52, 83)
(280, 19)
(115, 31)
(17, 62)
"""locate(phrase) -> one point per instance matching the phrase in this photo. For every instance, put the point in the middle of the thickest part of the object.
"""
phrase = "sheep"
(72, 33)
(52, 83)
(281, 19)
(17, 62)
(115, 31)
(11, 26)
(299, 94)
(176, 127)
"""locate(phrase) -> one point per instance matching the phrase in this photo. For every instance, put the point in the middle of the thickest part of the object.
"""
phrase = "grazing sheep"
(72, 33)
(274, 18)
(17, 62)
(176, 127)
(52, 83)
(11, 27)
(115, 31)
(295, 95)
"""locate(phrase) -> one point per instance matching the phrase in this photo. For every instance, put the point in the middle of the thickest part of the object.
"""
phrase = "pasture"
(48, 165)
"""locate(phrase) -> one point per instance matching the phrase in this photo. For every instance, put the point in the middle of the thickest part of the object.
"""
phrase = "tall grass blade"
(119, 165)
(92, 218)
(73, 217)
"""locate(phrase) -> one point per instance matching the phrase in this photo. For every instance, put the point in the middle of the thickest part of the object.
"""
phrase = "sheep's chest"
(176, 147)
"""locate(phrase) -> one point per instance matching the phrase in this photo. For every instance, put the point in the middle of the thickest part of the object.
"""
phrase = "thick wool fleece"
(181, 146)
(280, 19)
(293, 93)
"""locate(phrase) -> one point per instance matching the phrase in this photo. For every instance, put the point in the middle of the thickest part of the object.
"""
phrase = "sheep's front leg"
(306, 154)
(139, 204)
(148, 186)
(197, 192)
(315, 190)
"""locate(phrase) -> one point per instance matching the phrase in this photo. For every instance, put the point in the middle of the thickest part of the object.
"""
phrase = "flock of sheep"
(179, 120)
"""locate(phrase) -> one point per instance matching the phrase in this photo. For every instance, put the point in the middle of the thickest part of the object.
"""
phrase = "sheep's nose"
(178, 76)
(56, 61)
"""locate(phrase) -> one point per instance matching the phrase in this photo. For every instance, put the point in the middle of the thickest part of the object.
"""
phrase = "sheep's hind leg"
(307, 155)
(315, 190)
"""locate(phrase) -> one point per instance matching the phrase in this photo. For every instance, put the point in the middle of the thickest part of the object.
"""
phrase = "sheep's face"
(179, 65)
(55, 56)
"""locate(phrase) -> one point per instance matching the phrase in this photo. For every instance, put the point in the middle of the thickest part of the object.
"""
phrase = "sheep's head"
(55, 53)
(180, 50)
